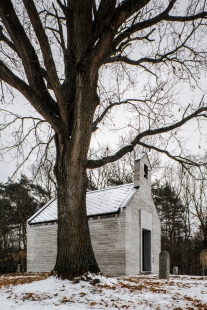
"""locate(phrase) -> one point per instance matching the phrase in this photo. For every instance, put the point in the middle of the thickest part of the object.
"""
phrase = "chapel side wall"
(107, 236)
(42, 248)
(108, 241)
(142, 200)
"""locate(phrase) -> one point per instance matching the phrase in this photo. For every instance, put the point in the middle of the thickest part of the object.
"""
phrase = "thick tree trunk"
(75, 254)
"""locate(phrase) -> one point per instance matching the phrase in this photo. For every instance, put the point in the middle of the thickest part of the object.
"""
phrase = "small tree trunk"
(75, 254)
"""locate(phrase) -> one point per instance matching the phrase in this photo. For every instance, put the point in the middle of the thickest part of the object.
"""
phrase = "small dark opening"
(146, 250)
(145, 171)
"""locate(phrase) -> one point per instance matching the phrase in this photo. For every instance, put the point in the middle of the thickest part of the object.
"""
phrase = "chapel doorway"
(146, 250)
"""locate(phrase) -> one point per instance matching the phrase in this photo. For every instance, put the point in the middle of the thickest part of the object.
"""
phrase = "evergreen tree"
(174, 228)
(18, 201)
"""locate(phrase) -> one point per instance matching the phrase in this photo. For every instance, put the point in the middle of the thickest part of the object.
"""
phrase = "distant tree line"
(179, 198)
(183, 242)
(18, 201)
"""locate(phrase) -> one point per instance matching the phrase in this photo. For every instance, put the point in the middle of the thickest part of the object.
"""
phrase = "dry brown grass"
(16, 278)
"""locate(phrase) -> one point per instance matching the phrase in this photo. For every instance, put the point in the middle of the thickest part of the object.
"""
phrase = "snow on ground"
(40, 292)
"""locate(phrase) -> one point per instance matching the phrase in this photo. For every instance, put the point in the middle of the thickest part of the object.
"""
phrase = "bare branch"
(106, 110)
(49, 112)
(150, 132)
(126, 9)
(6, 40)
(48, 57)
(63, 7)
(158, 58)
(24, 48)
(181, 160)
(60, 32)
(142, 25)
(202, 15)
(127, 42)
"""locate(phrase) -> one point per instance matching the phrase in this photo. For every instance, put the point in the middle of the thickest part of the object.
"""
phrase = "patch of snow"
(100, 292)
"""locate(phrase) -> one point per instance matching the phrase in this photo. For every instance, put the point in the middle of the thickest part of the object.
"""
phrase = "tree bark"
(75, 254)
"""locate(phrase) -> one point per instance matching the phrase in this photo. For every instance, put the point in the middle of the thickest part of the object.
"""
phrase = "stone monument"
(175, 270)
(164, 265)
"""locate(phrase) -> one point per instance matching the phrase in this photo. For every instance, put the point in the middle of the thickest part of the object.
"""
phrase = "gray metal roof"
(104, 201)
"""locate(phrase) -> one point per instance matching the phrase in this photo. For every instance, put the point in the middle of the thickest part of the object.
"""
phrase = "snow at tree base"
(99, 292)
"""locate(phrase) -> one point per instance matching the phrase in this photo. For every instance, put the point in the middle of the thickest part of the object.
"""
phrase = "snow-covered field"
(40, 292)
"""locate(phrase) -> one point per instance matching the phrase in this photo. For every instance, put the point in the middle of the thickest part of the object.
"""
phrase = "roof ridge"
(107, 188)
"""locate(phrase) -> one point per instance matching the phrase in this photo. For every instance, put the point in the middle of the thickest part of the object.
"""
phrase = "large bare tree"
(55, 52)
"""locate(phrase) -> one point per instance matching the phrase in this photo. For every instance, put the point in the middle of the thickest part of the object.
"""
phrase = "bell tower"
(142, 171)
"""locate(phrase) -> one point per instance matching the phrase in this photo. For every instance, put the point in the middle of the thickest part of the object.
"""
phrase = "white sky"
(190, 130)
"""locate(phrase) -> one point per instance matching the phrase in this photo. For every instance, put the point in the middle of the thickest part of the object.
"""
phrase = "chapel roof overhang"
(105, 201)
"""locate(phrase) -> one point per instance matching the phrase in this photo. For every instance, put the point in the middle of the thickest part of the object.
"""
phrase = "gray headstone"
(19, 268)
(175, 270)
(164, 265)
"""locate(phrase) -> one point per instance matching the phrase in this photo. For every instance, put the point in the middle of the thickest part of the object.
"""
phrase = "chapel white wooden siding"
(115, 225)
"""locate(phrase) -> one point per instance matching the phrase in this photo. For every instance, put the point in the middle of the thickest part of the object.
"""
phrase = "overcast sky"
(190, 130)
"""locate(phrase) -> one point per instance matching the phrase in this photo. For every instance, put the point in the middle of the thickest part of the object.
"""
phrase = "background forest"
(18, 201)
(180, 199)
